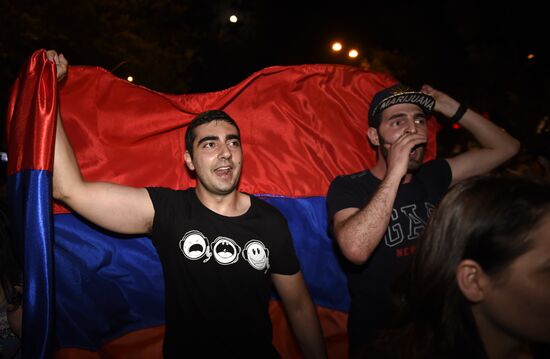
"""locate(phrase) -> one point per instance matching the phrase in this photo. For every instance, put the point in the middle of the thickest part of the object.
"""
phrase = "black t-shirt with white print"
(370, 284)
(217, 273)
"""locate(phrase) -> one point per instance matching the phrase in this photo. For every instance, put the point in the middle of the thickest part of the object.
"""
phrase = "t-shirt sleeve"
(283, 260)
(163, 209)
(342, 194)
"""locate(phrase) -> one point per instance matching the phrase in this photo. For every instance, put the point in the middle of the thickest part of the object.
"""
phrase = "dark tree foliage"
(476, 51)
(161, 43)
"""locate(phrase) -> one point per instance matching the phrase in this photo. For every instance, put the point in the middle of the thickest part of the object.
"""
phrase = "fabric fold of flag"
(30, 131)
(300, 126)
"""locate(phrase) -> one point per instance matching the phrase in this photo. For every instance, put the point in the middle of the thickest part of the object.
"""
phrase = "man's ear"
(189, 161)
(472, 280)
(372, 134)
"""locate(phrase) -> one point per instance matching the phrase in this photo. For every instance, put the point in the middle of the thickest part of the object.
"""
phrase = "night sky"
(476, 51)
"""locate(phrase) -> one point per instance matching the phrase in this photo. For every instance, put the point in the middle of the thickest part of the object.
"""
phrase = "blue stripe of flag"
(29, 198)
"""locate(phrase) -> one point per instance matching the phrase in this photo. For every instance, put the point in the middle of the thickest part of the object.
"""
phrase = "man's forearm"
(301, 313)
(497, 146)
(361, 233)
(488, 134)
(307, 329)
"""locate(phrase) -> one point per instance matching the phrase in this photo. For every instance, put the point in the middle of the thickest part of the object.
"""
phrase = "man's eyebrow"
(208, 138)
(396, 115)
(216, 138)
(232, 137)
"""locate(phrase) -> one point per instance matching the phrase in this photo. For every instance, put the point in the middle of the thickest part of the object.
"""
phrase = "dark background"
(477, 51)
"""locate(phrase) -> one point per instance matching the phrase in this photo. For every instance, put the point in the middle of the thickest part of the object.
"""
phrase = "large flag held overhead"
(90, 293)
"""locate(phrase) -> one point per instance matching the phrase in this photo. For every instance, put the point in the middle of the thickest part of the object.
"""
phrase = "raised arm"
(115, 207)
(301, 314)
(497, 146)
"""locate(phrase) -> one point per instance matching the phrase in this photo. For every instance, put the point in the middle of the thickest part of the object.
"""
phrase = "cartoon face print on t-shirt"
(194, 245)
(256, 254)
(225, 250)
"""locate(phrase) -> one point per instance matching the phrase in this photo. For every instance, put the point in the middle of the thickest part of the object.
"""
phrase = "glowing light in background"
(336, 46)
(353, 53)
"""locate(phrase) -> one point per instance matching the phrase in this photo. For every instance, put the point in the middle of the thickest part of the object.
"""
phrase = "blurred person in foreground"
(479, 286)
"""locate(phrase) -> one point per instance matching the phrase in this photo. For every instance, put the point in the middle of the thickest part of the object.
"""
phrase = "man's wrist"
(462, 108)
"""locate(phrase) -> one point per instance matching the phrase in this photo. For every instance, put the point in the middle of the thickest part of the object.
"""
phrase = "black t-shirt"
(217, 273)
(370, 283)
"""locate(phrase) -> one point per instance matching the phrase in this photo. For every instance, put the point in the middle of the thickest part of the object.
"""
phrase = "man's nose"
(224, 153)
(411, 126)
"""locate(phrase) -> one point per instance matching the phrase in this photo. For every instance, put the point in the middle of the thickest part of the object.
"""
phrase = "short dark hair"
(201, 119)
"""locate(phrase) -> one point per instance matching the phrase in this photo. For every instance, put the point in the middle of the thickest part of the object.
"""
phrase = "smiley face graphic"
(225, 250)
(256, 254)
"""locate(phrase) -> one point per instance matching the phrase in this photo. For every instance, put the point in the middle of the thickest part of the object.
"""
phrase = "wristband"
(459, 114)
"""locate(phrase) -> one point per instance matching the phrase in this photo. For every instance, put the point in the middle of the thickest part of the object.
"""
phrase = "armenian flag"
(90, 293)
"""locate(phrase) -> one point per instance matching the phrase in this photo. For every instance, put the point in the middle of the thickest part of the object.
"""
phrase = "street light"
(129, 78)
(336, 46)
(353, 53)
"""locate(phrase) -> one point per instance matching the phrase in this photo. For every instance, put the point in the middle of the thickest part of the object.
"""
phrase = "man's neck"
(230, 205)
